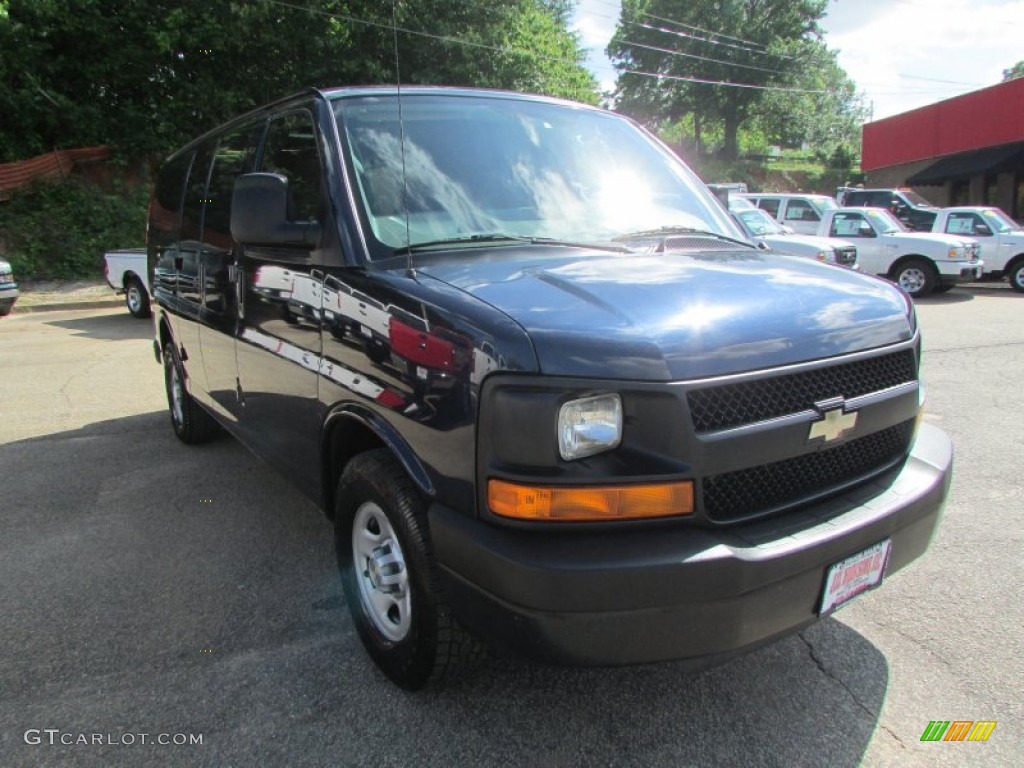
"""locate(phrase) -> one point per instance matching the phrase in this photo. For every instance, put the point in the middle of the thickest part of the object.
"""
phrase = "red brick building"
(968, 150)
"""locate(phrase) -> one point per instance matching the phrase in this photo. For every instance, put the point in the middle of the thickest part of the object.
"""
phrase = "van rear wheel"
(390, 577)
(191, 423)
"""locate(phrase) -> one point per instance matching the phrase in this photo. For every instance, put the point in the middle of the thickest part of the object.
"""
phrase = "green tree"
(525, 45)
(823, 110)
(1017, 70)
(726, 44)
(146, 75)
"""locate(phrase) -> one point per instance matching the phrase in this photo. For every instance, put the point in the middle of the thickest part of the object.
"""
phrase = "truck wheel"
(1016, 276)
(136, 298)
(191, 423)
(917, 277)
(390, 576)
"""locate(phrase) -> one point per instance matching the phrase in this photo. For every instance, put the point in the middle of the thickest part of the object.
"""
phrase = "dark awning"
(1009, 157)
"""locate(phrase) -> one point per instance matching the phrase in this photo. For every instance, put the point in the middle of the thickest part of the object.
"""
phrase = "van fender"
(367, 430)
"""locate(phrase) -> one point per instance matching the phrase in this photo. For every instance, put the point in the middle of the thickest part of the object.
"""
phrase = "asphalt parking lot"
(151, 592)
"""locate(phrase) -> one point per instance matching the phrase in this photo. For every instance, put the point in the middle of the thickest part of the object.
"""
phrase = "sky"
(902, 54)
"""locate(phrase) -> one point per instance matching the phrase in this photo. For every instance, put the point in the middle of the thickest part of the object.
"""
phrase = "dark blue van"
(550, 396)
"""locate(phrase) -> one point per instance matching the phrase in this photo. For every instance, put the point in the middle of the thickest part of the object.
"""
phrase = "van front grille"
(732, 405)
(769, 488)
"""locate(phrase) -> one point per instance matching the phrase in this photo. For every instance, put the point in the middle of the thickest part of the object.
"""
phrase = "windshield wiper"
(670, 230)
(499, 237)
(486, 237)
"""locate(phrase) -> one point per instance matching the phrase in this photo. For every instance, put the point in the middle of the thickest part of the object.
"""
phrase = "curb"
(55, 306)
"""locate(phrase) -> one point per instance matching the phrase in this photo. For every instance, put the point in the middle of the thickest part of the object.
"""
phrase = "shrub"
(61, 230)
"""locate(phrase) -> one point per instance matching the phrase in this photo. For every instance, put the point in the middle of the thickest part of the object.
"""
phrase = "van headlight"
(589, 425)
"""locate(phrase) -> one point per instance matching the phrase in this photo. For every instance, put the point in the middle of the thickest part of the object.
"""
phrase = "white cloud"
(594, 32)
(896, 51)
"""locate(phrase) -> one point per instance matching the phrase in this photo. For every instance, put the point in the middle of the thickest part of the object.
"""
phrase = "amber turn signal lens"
(588, 504)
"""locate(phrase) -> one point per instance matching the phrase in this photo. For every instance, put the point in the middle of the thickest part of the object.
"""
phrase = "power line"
(698, 38)
(750, 43)
(934, 80)
(701, 58)
(739, 43)
(725, 83)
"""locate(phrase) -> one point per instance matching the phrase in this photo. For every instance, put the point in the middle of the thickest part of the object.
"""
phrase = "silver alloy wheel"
(134, 298)
(1017, 278)
(380, 572)
(177, 396)
(912, 279)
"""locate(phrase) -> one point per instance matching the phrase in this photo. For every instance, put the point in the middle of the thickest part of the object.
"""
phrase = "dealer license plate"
(854, 575)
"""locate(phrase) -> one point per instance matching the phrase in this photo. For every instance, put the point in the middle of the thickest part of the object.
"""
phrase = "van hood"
(675, 316)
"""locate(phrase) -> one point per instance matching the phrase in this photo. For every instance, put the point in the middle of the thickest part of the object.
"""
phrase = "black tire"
(390, 576)
(1016, 276)
(191, 423)
(918, 277)
(136, 298)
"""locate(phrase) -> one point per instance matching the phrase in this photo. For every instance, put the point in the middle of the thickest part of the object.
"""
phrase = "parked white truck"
(763, 229)
(919, 262)
(1001, 239)
(126, 272)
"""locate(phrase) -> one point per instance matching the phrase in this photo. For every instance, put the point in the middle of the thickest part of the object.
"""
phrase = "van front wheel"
(390, 577)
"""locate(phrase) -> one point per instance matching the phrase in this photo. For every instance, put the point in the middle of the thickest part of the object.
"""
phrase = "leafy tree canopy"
(146, 75)
(724, 64)
(1017, 70)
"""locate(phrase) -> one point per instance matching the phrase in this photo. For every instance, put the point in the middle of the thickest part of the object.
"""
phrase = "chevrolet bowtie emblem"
(833, 425)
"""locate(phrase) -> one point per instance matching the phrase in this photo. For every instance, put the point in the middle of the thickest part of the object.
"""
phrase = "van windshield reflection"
(476, 165)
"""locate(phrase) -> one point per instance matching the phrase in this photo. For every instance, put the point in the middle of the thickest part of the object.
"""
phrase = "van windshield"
(486, 168)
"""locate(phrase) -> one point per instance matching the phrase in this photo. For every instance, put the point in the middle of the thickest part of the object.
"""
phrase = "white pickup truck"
(763, 229)
(126, 273)
(919, 262)
(1001, 239)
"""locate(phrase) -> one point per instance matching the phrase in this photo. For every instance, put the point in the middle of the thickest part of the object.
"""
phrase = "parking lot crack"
(866, 709)
(919, 643)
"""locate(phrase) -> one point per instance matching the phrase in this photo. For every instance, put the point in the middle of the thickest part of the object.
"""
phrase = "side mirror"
(983, 229)
(259, 214)
(865, 230)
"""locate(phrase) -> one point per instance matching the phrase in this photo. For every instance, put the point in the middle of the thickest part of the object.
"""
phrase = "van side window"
(195, 194)
(233, 157)
(291, 150)
(769, 204)
(170, 186)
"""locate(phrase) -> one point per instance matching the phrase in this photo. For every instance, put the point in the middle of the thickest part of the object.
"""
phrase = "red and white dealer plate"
(854, 576)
